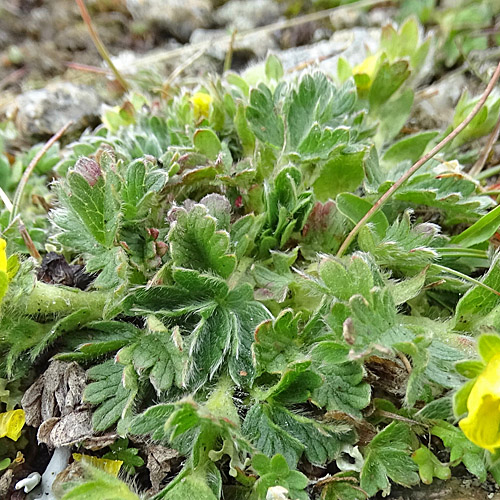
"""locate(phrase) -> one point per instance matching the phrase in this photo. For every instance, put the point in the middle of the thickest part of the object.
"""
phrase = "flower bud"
(89, 169)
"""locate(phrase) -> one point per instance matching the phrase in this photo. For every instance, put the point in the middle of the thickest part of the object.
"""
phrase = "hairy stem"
(53, 299)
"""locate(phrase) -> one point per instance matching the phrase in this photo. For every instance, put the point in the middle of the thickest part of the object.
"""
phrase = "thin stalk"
(385, 197)
(490, 172)
(5, 200)
(180, 69)
(489, 192)
(458, 252)
(33, 163)
(481, 161)
(101, 48)
(228, 60)
(465, 277)
(29, 242)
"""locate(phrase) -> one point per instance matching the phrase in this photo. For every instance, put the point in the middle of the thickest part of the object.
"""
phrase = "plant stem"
(465, 277)
(229, 54)
(490, 172)
(101, 48)
(53, 299)
(385, 197)
(33, 163)
(481, 161)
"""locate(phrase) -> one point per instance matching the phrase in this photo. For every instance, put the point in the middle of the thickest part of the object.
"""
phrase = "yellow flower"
(12, 423)
(3, 255)
(367, 67)
(201, 105)
(482, 424)
(110, 466)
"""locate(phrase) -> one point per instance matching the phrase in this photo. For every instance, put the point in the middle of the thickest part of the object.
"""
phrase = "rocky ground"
(50, 72)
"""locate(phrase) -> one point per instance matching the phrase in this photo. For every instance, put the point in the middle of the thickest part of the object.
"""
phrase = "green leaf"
(276, 342)
(480, 231)
(98, 484)
(152, 422)
(375, 322)
(450, 192)
(161, 356)
(342, 173)
(345, 281)
(274, 68)
(193, 292)
(420, 356)
(461, 449)
(478, 301)
(129, 456)
(95, 206)
(295, 385)
(355, 208)
(276, 472)
(343, 388)
(409, 149)
(113, 390)
(263, 119)
(140, 188)
(470, 368)
(488, 345)
(403, 291)
(4, 284)
(196, 244)
(211, 342)
(314, 104)
(274, 429)
(403, 248)
(338, 489)
(388, 457)
(394, 114)
(206, 142)
(460, 398)
(429, 466)
(389, 78)
(246, 314)
(203, 482)
(269, 437)
(245, 134)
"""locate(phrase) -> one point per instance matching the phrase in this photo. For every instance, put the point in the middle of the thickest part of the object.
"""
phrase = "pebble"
(43, 112)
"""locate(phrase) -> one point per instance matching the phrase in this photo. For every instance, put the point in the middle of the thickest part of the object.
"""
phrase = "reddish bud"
(89, 169)
(153, 232)
(161, 248)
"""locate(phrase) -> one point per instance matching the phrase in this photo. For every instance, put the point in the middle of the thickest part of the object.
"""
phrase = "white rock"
(247, 14)
(178, 17)
(43, 112)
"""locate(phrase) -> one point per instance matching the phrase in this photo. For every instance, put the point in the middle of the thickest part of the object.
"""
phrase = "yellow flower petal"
(12, 423)
(201, 105)
(110, 466)
(3, 255)
(367, 67)
(482, 424)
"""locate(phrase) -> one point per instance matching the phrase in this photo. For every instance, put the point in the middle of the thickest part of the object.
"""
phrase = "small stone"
(354, 45)
(435, 105)
(179, 17)
(247, 14)
(255, 45)
(43, 112)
